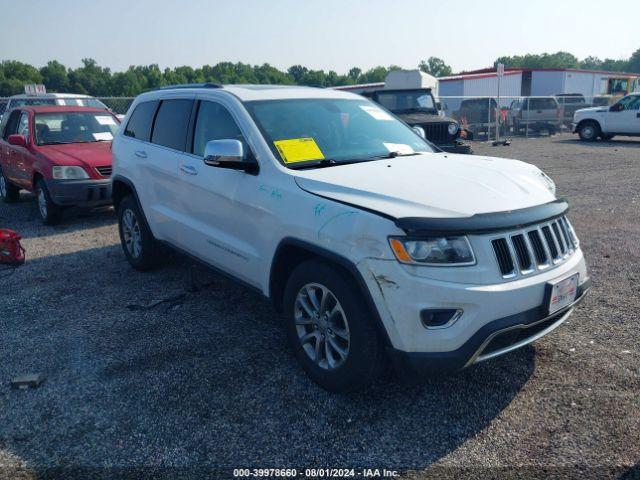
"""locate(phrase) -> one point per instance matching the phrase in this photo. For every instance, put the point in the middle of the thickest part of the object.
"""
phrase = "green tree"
(633, 65)
(91, 79)
(435, 66)
(55, 76)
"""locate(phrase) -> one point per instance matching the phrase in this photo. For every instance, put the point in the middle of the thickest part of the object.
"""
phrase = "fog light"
(439, 317)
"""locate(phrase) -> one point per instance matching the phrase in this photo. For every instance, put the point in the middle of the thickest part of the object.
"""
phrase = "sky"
(327, 34)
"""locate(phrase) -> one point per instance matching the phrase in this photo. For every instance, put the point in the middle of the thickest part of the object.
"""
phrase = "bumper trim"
(416, 364)
(81, 193)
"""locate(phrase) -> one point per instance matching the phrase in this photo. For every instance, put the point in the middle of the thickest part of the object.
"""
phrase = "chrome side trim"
(522, 343)
(477, 357)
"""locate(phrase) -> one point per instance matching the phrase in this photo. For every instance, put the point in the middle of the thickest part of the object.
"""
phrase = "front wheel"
(50, 213)
(329, 328)
(8, 191)
(137, 241)
(589, 131)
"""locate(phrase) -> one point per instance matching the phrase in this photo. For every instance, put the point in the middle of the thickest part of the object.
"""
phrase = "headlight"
(69, 173)
(433, 250)
(453, 128)
(551, 185)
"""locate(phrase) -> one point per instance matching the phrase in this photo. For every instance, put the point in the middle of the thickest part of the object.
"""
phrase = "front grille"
(105, 171)
(536, 248)
(436, 132)
(505, 262)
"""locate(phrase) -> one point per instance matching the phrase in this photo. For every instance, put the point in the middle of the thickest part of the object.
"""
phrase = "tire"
(8, 191)
(606, 137)
(137, 241)
(589, 131)
(348, 329)
(50, 213)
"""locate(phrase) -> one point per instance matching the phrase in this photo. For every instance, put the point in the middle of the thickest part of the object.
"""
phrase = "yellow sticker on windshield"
(298, 150)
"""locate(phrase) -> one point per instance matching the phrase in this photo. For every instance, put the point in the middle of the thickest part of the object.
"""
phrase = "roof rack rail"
(192, 85)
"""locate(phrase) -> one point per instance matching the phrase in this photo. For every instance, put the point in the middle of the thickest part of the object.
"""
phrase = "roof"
(249, 92)
(52, 95)
(491, 72)
(59, 108)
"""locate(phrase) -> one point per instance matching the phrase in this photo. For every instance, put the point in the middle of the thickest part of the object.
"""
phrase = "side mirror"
(17, 140)
(227, 154)
(618, 107)
(419, 131)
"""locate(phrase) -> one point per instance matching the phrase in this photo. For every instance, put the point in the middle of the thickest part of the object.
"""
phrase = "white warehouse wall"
(588, 84)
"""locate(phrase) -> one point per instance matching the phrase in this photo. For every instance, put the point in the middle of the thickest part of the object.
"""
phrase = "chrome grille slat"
(535, 248)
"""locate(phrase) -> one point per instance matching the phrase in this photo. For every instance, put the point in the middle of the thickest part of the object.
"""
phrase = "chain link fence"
(118, 105)
(484, 118)
(490, 118)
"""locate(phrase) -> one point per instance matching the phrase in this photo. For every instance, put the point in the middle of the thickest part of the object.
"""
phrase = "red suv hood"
(94, 154)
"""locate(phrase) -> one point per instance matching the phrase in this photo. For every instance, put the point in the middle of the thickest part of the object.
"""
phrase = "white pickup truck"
(621, 118)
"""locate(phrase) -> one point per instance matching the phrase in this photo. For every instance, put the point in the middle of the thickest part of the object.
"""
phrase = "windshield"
(74, 127)
(406, 100)
(336, 130)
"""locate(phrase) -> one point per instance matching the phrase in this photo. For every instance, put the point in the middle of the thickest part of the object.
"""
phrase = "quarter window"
(214, 122)
(139, 125)
(172, 123)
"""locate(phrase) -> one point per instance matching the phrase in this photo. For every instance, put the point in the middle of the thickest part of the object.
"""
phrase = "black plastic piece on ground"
(32, 380)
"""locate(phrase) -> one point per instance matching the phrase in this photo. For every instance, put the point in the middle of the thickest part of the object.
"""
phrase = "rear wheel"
(138, 244)
(8, 191)
(50, 213)
(589, 131)
(329, 328)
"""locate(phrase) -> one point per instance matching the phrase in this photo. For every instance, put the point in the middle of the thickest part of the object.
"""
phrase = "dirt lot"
(204, 379)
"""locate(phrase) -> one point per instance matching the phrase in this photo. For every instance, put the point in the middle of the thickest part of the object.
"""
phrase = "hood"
(591, 110)
(432, 185)
(94, 154)
(417, 118)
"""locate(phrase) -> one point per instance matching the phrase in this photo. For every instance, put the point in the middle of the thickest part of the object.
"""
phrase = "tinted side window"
(23, 125)
(12, 124)
(172, 123)
(214, 122)
(543, 104)
(139, 125)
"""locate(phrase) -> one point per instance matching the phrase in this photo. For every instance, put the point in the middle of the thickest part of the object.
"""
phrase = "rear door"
(626, 120)
(543, 110)
(158, 165)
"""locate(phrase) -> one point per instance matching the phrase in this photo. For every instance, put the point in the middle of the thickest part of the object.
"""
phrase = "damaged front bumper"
(496, 318)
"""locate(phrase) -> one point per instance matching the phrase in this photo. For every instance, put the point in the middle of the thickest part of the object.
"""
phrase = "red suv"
(61, 154)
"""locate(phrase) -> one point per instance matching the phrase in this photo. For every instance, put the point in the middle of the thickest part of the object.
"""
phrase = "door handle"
(637, 115)
(189, 169)
(141, 154)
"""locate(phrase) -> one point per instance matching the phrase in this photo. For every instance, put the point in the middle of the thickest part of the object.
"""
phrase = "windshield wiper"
(326, 162)
(393, 155)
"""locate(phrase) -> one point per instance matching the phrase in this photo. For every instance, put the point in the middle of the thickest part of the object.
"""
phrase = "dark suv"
(417, 107)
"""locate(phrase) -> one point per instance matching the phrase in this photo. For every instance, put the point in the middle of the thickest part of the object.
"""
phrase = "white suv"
(379, 249)
(621, 118)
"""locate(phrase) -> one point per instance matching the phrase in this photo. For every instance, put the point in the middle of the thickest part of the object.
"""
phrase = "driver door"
(626, 120)
(217, 205)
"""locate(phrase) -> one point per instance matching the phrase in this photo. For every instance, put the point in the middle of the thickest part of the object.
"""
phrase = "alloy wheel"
(131, 233)
(588, 132)
(321, 325)
(42, 203)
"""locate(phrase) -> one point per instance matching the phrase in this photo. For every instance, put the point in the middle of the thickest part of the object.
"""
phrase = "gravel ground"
(204, 380)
